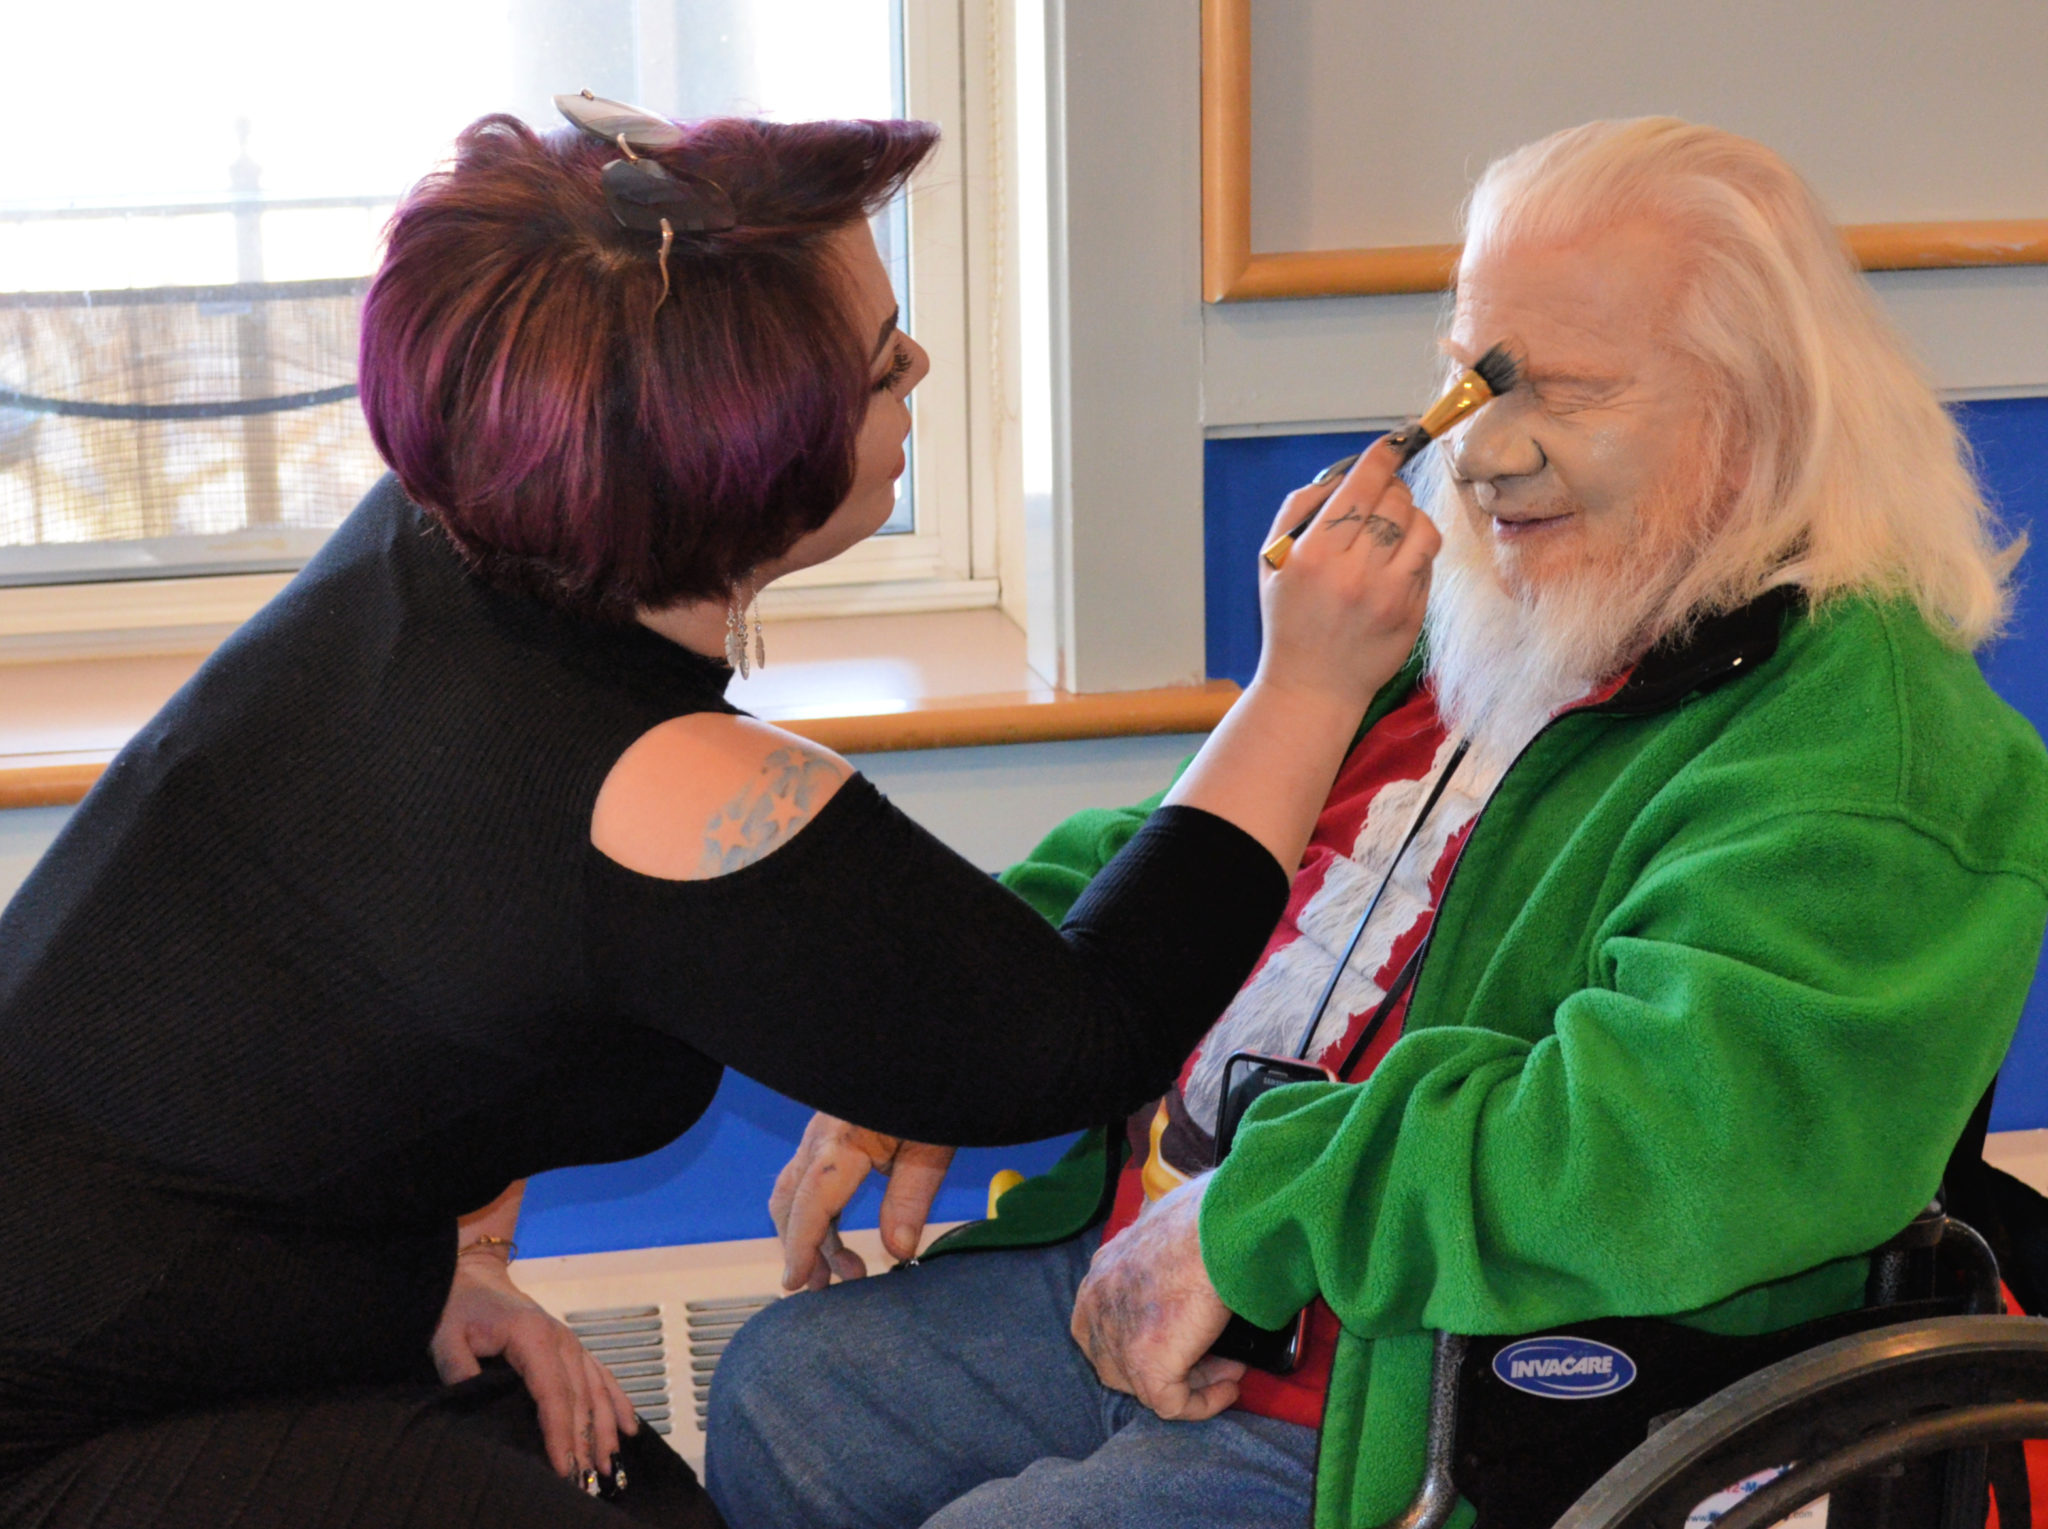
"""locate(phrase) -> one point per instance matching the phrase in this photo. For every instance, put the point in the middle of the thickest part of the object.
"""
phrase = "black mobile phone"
(1277, 1351)
(1246, 1076)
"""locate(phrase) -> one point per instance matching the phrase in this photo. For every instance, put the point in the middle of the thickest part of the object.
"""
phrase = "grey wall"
(1368, 130)
(24, 835)
(1896, 111)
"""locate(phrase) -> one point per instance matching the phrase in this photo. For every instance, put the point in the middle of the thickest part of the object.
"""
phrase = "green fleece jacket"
(1723, 969)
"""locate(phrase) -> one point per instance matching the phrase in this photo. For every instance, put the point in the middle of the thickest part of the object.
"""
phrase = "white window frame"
(965, 476)
(935, 566)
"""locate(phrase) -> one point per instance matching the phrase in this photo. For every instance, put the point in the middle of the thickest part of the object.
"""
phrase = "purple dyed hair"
(580, 447)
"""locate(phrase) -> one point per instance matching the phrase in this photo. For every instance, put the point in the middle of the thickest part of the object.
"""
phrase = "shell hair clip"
(642, 193)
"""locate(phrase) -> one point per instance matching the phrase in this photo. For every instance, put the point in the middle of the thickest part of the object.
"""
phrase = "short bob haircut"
(581, 447)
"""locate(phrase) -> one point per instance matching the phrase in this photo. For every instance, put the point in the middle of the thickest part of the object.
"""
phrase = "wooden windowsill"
(860, 685)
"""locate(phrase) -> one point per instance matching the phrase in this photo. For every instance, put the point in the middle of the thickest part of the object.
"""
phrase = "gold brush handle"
(1406, 441)
(1465, 395)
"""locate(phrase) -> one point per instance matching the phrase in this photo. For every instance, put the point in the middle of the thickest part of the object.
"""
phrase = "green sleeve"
(1777, 1038)
(1055, 874)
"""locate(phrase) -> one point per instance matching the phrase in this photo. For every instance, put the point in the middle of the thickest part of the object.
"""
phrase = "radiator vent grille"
(711, 1325)
(628, 1341)
(631, 1342)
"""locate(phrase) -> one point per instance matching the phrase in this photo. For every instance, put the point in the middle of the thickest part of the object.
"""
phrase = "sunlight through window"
(185, 238)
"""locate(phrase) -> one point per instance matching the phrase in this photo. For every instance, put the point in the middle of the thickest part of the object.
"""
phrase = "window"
(182, 252)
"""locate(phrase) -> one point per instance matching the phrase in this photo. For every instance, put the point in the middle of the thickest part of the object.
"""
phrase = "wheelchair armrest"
(1934, 1233)
(1437, 1497)
(1923, 1231)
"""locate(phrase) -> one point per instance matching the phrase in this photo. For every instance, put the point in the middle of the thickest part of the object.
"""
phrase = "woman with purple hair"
(455, 864)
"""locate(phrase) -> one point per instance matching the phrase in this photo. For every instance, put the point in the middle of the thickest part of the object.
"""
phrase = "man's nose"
(1496, 443)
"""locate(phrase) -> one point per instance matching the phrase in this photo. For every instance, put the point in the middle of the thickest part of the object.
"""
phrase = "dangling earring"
(736, 644)
(736, 633)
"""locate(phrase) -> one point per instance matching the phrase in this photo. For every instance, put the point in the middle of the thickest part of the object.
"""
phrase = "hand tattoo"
(1378, 527)
(771, 807)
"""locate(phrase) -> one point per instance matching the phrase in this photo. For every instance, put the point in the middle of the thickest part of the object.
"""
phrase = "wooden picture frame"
(1232, 273)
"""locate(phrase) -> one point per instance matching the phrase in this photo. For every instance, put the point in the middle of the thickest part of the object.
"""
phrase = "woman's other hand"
(816, 1184)
(582, 1409)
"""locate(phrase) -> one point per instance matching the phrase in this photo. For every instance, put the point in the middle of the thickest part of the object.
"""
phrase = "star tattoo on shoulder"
(782, 798)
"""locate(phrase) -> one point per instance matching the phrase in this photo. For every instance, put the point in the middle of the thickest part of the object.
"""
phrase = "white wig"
(1857, 479)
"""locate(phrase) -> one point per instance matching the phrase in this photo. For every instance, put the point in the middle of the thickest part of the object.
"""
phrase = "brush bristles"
(1498, 369)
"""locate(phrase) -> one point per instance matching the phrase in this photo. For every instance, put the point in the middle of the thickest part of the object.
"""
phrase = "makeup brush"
(1490, 376)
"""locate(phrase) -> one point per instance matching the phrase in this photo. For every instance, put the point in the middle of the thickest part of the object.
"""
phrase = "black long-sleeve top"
(327, 959)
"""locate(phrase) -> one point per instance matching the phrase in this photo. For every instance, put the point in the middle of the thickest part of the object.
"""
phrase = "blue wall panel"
(2010, 436)
(1248, 477)
(1244, 480)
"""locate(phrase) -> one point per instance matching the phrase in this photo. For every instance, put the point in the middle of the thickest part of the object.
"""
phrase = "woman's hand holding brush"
(1478, 385)
(1340, 620)
(1348, 607)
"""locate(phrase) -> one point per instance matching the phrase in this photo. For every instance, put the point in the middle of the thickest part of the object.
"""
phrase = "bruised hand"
(1147, 1315)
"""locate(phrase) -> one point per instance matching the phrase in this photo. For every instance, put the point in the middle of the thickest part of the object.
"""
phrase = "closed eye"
(1563, 391)
(899, 368)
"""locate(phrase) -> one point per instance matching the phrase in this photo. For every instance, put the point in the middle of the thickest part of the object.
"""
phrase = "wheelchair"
(1907, 1413)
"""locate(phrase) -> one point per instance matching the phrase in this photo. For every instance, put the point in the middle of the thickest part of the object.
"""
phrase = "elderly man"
(1676, 1001)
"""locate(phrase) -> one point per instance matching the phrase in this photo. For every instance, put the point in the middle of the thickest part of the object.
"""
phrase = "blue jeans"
(950, 1395)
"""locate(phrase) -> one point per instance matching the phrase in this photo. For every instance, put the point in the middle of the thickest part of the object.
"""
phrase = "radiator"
(659, 1318)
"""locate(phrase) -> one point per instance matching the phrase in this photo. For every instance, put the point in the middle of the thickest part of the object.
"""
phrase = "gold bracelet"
(511, 1248)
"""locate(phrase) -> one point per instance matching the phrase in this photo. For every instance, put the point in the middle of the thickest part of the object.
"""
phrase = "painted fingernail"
(618, 1474)
(1335, 470)
(590, 1484)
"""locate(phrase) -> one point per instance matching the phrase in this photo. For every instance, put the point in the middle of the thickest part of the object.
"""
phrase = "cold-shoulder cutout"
(703, 795)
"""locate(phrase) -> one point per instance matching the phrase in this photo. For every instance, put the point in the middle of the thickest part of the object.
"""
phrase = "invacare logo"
(1566, 1368)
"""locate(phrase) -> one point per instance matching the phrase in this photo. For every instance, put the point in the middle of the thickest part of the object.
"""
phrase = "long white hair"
(1857, 479)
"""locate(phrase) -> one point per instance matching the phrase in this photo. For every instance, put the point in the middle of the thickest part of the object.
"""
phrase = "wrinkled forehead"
(1596, 302)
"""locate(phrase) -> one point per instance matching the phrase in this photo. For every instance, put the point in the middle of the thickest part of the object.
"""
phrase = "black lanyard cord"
(1371, 1031)
(1407, 972)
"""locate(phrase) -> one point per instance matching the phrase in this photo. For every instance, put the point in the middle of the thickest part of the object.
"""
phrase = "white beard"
(1503, 661)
